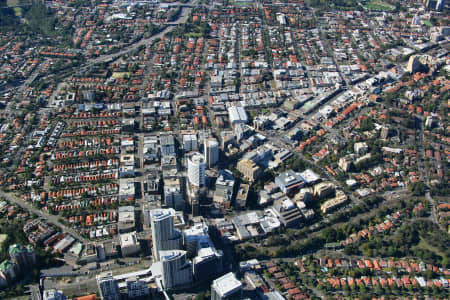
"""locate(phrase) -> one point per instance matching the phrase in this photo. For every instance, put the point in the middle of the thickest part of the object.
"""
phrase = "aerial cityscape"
(224, 149)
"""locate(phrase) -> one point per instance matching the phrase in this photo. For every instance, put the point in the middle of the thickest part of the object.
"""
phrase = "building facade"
(211, 150)
(176, 271)
(196, 169)
(108, 287)
(164, 235)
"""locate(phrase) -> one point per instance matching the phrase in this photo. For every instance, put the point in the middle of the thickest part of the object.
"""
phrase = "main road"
(49, 218)
(181, 19)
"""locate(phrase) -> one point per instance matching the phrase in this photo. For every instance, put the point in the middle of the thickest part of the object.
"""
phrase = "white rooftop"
(128, 239)
(227, 284)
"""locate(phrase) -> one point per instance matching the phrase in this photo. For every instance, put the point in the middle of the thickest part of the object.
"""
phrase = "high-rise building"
(108, 286)
(7, 272)
(167, 145)
(23, 256)
(164, 235)
(440, 4)
(196, 169)
(224, 189)
(190, 142)
(172, 193)
(211, 150)
(206, 260)
(226, 287)
(414, 64)
(176, 271)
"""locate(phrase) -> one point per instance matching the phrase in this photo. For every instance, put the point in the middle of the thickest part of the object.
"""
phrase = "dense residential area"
(246, 149)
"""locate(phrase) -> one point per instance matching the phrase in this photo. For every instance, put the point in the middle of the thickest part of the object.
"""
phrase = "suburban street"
(49, 218)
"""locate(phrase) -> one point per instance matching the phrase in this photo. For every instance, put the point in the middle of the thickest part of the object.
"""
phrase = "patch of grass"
(193, 34)
(423, 244)
(3, 238)
(18, 11)
(121, 75)
(379, 5)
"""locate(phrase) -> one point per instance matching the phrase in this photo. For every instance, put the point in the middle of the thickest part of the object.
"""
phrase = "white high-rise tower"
(196, 169)
(164, 235)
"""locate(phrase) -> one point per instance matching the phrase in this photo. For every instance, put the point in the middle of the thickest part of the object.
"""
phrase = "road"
(49, 218)
(32, 77)
(182, 19)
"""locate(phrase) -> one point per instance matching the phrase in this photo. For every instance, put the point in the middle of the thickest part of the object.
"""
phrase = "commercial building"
(249, 169)
(346, 162)
(241, 196)
(53, 295)
(207, 261)
(196, 169)
(323, 189)
(126, 219)
(289, 181)
(129, 244)
(176, 271)
(361, 148)
(211, 151)
(190, 142)
(167, 145)
(126, 189)
(90, 253)
(287, 212)
(414, 64)
(137, 288)
(226, 287)
(237, 115)
(108, 287)
(333, 203)
(172, 193)
(224, 189)
(164, 235)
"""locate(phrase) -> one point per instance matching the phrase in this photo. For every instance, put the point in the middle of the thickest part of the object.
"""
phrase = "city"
(224, 149)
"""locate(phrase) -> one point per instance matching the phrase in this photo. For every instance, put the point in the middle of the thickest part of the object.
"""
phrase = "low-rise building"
(289, 181)
(137, 288)
(287, 212)
(333, 203)
(53, 294)
(249, 169)
(226, 287)
(126, 219)
(129, 244)
(224, 189)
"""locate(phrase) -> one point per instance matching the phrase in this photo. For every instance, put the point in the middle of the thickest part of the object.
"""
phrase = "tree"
(417, 188)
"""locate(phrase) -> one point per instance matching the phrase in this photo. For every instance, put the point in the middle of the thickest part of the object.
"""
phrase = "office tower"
(211, 150)
(167, 145)
(196, 169)
(164, 235)
(206, 260)
(226, 287)
(108, 286)
(173, 196)
(176, 271)
(190, 142)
